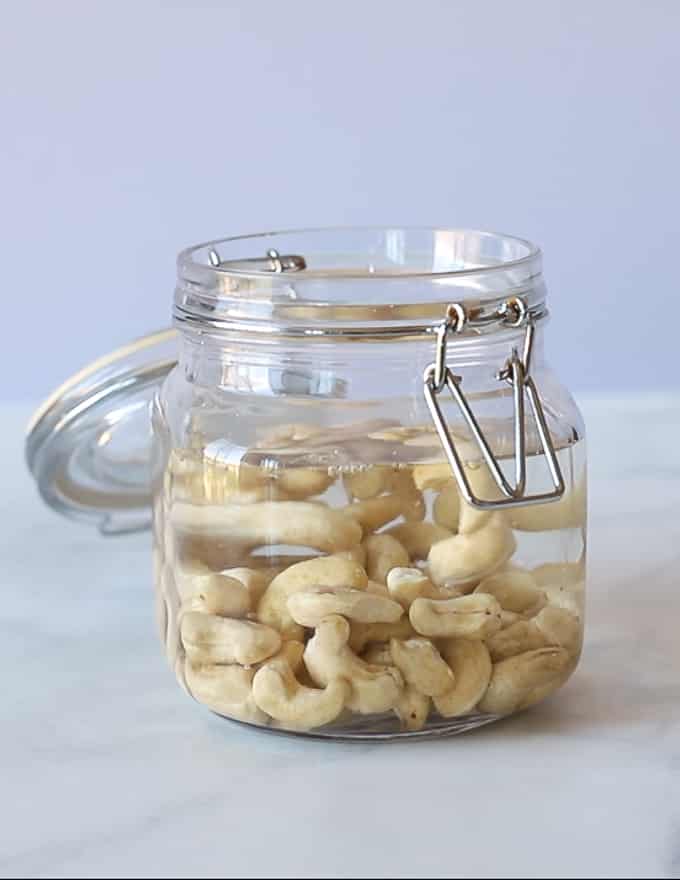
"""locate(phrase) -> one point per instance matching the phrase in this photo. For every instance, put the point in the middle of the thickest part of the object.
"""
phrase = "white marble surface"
(108, 770)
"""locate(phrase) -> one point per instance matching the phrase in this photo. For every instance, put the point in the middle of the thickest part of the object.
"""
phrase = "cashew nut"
(413, 504)
(559, 627)
(515, 639)
(407, 584)
(378, 589)
(298, 523)
(422, 666)
(561, 597)
(472, 617)
(209, 639)
(446, 508)
(418, 537)
(324, 571)
(226, 690)
(214, 594)
(516, 591)
(566, 574)
(413, 707)
(383, 553)
(432, 476)
(453, 512)
(363, 634)
(469, 557)
(328, 657)
(277, 692)
(568, 512)
(403, 499)
(471, 666)
(374, 513)
(367, 483)
(356, 553)
(551, 627)
(513, 679)
(310, 607)
(535, 695)
(298, 483)
(255, 581)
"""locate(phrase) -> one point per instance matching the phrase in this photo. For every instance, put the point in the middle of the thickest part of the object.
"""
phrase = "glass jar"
(368, 488)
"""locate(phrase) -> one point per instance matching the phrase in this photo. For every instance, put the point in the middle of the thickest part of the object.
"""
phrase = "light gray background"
(133, 129)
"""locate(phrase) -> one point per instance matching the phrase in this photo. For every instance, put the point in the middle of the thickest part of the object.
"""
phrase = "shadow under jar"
(368, 487)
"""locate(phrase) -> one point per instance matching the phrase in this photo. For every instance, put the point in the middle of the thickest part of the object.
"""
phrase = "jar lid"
(88, 444)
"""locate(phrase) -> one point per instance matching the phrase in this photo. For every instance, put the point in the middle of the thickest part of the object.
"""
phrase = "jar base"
(381, 728)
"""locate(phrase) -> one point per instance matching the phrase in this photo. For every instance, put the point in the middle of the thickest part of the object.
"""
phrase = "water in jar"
(334, 582)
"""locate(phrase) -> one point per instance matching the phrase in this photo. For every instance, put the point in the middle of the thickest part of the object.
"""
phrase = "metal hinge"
(516, 372)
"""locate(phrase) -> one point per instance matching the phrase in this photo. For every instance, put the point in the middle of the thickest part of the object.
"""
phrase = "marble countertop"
(108, 770)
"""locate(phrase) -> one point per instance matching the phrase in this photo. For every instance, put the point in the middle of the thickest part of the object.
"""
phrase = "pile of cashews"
(394, 613)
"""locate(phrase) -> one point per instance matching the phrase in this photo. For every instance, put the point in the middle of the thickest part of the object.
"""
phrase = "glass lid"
(88, 445)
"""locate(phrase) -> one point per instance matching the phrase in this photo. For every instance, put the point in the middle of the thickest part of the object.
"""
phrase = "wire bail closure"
(516, 372)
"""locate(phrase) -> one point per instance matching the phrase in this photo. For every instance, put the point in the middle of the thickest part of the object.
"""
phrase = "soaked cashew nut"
(422, 666)
(383, 553)
(469, 557)
(298, 523)
(374, 513)
(413, 503)
(226, 690)
(378, 589)
(432, 476)
(356, 553)
(535, 695)
(413, 707)
(470, 617)
(214, 594)
(277, 692)
(564, 574)
(209, 639)
(551, 627)
(255, 581)
(309, 608)
(446, 507)
(292, 652)
(418, 537)
(367, 483)
(569, 512)
(324, 571)
(516, 591)
(559, 627)
(363, 634)
(561, 597)
(328, 657)
(513, 679)
(405, 585)
(471, 666)
(517, 638)
(402, 499)
(299, 483)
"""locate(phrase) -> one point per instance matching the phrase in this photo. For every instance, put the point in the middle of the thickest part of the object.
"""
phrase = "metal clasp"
(275, 262)
(516, 373)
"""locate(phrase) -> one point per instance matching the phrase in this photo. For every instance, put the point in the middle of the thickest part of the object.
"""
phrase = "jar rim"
(352, 282)
(188, 256)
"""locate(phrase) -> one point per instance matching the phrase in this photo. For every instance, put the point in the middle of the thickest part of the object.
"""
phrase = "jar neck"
(341, 369)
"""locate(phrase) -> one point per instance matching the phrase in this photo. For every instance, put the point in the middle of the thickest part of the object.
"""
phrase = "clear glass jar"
(369, 488)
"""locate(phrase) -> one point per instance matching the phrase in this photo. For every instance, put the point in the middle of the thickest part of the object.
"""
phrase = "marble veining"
(109, 770)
